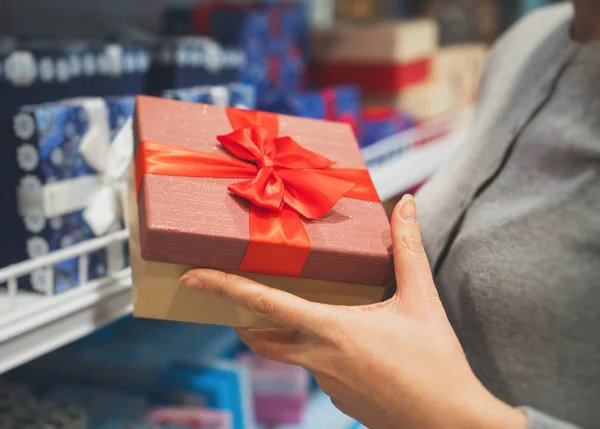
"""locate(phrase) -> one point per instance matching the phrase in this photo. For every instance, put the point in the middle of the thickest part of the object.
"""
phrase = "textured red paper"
(196, 221)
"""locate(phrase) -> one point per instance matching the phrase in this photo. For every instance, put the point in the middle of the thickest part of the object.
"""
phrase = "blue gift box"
(27, 76)
(333, 104)
(107, 69)
(57, 148)
(272, 37)
(379, 124)
(192, 61)
(235, 95)
(219, 385)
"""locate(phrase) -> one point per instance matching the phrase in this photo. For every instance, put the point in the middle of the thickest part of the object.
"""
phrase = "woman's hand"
(395, 364)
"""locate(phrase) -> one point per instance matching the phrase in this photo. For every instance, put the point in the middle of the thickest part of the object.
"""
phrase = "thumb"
(413, 275)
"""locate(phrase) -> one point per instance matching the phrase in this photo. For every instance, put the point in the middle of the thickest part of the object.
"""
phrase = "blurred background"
(402, 73)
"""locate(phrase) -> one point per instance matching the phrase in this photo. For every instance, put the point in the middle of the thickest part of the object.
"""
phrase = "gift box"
(322, 234)
(275, 76)
(101, 69)
(253, 25)
(281, 392)
(459, 68)
(380, 58)
(190, 418)
(340, 104)
(362, 11)
(192, 61)
(211, 384)
(30, 76)
(468, 21)
(380, 123)
(272, 37)
(422, 102)
(70, 158)
(235, 95)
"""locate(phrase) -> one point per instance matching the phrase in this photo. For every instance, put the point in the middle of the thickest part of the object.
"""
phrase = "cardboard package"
(381, 58)
(459, 68)
(178, 221)
(454, 84)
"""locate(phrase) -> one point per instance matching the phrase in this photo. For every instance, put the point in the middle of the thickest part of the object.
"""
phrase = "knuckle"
(220, 287)
(335, 331)
(411, 243)
(263, 304)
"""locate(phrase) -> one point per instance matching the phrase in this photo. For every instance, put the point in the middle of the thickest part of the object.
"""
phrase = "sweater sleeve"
(539, 420)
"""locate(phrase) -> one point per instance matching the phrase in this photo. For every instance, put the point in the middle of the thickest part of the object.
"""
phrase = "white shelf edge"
(56, 321)
(413, 166)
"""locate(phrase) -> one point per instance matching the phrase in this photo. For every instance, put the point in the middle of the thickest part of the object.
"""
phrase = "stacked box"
(332, 104)
(70, 157)
(378, 124)
(272, 37)
(107, 69)
(454, 84)
(190, 418)
(381, 58)
(29, 76)
(373, 10)
(459, 68)
(339, 104)
(183, 62)
(281, 392)
(234, 94)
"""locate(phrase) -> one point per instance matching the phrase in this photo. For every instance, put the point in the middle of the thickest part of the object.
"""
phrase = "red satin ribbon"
(376, 78)
(285, 182)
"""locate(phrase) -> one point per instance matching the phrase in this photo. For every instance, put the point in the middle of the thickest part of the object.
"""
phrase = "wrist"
(492, 413)
(484, 411)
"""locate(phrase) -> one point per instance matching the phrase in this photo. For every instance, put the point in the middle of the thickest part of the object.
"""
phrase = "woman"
(512, 232)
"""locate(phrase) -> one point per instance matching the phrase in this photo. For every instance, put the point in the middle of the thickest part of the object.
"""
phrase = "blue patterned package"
(274, 76)
(255, 26)
(192, 61)
(272, 36)
(332, 104)
(107, 69)
(381, 123)
(71, 157)
(341, 104)
(234, 95)
(27, 76)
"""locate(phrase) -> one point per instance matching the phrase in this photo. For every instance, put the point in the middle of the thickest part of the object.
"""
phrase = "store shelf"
(403, 161)
(32, 325)
(413, 166)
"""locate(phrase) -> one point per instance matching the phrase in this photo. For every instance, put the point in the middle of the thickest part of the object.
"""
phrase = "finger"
(413, 274)
(274, 304)
(280, 345)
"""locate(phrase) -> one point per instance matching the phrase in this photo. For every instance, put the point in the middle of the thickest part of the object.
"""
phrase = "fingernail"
(191, 282)
(407, 209)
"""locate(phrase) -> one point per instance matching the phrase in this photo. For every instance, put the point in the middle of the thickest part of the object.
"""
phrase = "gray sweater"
(512, 225)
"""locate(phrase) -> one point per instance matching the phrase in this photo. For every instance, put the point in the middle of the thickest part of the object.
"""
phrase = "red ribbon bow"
(286, 181)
